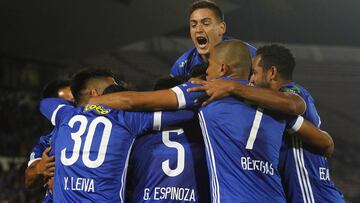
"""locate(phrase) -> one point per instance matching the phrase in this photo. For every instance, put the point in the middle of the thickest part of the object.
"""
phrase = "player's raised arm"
(320, 141)
(267, 98)
(153, 100)
(174, 98)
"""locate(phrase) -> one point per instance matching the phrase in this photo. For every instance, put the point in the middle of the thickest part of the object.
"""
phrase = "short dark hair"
(278, 56)
(80, 79)
(209, 5)
(52, 88)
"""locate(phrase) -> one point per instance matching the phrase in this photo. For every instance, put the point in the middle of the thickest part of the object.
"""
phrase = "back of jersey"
(169, 166)
(305, 174)
(243, 145)
(92, 148)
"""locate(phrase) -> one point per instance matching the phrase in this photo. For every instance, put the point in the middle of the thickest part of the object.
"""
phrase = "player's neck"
(279, 83)
(205, 58)
(241, 76)
(82, 103)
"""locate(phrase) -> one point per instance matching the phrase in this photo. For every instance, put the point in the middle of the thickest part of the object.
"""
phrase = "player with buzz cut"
(41, 164)
(169, 165)
(303, 166)
(92, 142)
(242, 142)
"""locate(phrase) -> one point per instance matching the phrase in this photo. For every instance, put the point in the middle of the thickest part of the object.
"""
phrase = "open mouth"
(201, 40)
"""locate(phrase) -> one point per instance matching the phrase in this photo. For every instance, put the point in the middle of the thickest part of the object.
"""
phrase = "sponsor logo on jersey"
(97, 108)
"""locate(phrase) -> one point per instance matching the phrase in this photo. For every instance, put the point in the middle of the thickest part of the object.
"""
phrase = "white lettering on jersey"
(79, 184)
(170, 193)
(324, 173)
(257, 165)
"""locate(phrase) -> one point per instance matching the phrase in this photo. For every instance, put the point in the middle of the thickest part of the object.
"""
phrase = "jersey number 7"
(254, 128)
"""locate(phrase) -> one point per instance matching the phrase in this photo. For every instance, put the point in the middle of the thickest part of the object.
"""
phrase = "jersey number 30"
(76, 136)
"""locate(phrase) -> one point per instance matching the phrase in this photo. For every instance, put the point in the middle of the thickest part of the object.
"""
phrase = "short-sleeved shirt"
(305, 174)
(243, 145)
(92, 148)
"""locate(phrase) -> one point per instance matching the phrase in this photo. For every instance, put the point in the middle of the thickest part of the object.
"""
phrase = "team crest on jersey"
(97, 108)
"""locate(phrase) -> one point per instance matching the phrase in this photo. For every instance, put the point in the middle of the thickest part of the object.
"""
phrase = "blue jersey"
(191, 58)
(243, 145)
(36, 154)
(44, 142)
(305, 175)
(92, 147)
(169, 166)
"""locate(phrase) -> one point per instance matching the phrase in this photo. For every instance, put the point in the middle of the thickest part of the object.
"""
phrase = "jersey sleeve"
(178, 69)
(311, 113)
(51, 108)
(294, 90)
(294, 123)
(164, 119)
(291, 89)
(187, 99)
(36, 153)
(141, 122)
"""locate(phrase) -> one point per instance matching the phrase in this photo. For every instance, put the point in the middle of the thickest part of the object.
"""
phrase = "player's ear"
(273, 72)
(222, 27)
(224, 70)
(94, 92)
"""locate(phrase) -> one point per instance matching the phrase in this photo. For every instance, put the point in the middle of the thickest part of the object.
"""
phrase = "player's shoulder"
(293, 87)
(187, 56)
(57, 101)
(96, 110)
(46, 139)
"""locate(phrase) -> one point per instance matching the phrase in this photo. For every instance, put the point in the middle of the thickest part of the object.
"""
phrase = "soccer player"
(207, 29)
(40, 165)
(305, 174)
(170, 165)
(242, 141)
(92, 142)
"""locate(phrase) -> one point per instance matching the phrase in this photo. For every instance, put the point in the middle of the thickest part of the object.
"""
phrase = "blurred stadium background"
(140, 40)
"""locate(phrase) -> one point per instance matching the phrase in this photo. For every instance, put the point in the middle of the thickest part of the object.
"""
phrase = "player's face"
(65, 93)
(259, 75)
(206, 30)
(214, 69)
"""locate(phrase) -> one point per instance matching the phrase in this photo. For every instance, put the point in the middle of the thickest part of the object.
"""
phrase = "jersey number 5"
(180, 152)
(76, 136)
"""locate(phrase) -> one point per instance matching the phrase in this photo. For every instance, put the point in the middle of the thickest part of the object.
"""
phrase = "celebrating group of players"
(258, 139)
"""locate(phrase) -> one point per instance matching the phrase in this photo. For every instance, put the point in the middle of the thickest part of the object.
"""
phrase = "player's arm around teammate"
(40, 169)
